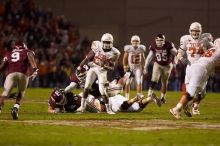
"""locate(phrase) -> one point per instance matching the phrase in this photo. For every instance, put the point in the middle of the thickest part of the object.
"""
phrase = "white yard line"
(140, 125)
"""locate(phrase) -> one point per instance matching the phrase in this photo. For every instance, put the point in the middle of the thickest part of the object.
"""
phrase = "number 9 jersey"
(17, 60)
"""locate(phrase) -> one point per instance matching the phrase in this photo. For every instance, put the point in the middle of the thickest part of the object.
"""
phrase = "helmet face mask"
(107, 42)
(160, 40)
(195, 30)
(135, 41)
(59, 97)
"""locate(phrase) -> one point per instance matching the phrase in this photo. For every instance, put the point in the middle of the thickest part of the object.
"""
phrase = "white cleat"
(111, 113)
(81, 109)
(175, 114)
(195, 112)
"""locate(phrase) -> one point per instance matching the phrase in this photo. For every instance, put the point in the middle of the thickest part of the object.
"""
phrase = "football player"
(60, 101)
(119, 103)
(133, 61)
(163, 51)
(17, 61)
(77, 79)
(105, 57)
(194, 45)
(199, 72)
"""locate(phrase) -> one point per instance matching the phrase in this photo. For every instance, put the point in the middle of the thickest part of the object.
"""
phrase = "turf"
(153, 126)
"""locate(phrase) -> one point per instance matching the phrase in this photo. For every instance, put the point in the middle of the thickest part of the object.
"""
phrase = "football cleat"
(163, 100)
(156, 100)
(187, 110)
(110, 112)
(195, 112)
(176, 114)
(14, 113)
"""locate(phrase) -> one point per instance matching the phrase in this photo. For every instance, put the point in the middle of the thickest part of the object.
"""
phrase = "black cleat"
(14, 113)
(163, 100)
(156, 100)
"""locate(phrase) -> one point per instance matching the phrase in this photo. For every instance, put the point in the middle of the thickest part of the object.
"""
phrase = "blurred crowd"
(57, 45)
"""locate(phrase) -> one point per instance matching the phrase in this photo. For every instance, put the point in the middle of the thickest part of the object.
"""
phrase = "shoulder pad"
(116, 51)
(127, 48)
(96, 45)
(185, 37)
(142, 47)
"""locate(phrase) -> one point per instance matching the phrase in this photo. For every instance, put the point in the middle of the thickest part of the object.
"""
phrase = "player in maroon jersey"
(17, 61)
(164, 52)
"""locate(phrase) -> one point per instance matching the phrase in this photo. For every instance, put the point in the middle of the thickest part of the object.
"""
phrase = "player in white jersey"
(199, 72)
(194, 45)
(133, 60)
(104, 58)
(119, 103)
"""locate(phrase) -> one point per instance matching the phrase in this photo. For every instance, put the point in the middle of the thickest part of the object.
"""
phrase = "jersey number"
(161, 56)
(208, 53)
(194, 51)
(15, 56)
(135, 59)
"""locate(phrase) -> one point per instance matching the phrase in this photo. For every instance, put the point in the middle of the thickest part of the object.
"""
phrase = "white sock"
(127, 95)
(150, 92)
(83, 103)
(107, 107)
(178, 107)
(17, 105)
(163, 95)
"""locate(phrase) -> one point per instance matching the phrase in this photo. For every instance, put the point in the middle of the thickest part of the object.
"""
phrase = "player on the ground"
(105, 57)
(164, 52)
(133, 61)
(199, 72)
(61, 101)
(17, 61)
(119, 103)
(194, 45)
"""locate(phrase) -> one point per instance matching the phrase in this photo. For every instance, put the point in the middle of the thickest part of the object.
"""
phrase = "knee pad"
(188, 96)
(125, 105)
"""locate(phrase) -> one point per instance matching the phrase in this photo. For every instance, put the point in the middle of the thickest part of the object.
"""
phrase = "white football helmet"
(135, 40)
(195, 30)
(107, 42)
(217, 43)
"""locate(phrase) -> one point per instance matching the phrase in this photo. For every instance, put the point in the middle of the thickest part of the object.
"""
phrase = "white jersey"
(116, 102)
(100, 55)
(195, 47)
(209, 59)
(134, 55)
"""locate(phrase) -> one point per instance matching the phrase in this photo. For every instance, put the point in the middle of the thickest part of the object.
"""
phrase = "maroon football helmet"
(19, 46)
(59, 97)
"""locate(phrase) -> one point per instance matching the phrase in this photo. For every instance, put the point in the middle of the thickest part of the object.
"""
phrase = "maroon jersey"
(163, 54)
(71, 103)
(17, 60)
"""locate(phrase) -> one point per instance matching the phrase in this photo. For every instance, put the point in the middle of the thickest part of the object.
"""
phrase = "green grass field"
(153, 126)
